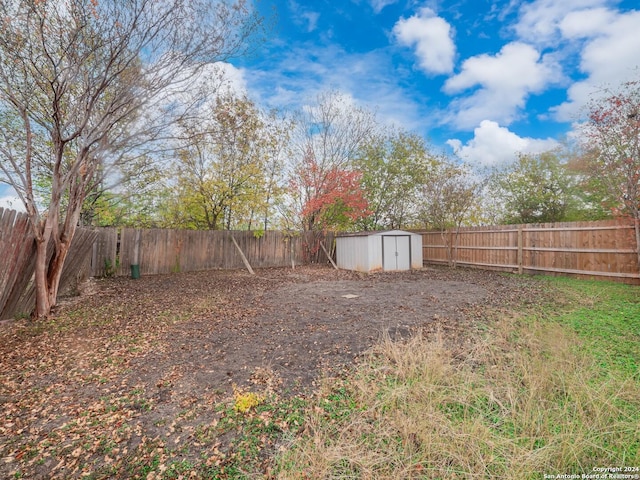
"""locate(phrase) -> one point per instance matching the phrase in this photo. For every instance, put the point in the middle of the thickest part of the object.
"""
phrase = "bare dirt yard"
(135, 378)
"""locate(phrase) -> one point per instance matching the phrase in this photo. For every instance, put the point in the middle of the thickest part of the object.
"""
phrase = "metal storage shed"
(392, 250)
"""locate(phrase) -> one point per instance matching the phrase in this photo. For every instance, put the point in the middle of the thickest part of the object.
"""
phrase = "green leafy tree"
(228, 174)
(536, 189)
(128, 196)
(394, 168)
(130, 201)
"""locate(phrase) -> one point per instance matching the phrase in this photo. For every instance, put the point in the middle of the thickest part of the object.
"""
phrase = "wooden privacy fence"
(17, 263)
(110, 251)
(159, 251)
(602, 249)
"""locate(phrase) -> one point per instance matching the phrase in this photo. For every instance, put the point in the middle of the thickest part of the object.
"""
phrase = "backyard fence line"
(603, 249)
(160, 251)
(99, 252)
(598, 249)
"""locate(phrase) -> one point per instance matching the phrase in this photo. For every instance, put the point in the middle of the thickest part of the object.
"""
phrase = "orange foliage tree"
(333, 198)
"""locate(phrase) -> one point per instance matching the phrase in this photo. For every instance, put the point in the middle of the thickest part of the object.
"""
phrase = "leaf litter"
(136, 378)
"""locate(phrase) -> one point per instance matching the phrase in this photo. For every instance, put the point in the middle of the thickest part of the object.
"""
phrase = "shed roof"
(377, 232)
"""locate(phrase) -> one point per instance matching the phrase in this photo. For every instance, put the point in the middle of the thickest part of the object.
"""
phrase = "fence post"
(520, 269)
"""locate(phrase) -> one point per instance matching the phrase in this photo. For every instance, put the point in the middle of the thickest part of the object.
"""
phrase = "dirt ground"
(151, 349)
(302, 323)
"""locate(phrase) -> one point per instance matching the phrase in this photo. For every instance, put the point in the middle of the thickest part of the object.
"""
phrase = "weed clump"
(245, 401)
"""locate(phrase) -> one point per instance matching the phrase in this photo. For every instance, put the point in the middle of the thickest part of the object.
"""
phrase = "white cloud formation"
(505, 80)
(586, 23)
(539, 21)
(302, 73)
(432, 38)
(232, 78)
(610, 54)
(303, 16)
(378, 5)
(493, 145)
(311, 19)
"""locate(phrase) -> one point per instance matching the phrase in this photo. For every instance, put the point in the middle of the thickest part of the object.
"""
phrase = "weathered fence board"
(104, 254)
(159, 251)
(603, 249)
(17, 251)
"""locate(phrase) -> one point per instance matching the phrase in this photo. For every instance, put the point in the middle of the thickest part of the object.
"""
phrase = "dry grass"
(527, 400)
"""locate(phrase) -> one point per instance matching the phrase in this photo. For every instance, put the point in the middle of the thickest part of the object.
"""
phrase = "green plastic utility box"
(135, 271)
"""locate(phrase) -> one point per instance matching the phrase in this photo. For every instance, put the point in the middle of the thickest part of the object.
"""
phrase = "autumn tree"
(335, 198)
(229, 172)
(612, 145)
(394, 165)
(86, 86)
(327, 138)
(448, 200)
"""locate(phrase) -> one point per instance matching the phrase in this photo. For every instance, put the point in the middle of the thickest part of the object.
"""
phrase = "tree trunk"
(455, 247)
(55, 271)
(47, 280)
(43, 306)
(448, 246)
(48, 272)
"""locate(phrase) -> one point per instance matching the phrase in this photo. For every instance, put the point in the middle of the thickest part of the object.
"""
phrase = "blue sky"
(482, 79)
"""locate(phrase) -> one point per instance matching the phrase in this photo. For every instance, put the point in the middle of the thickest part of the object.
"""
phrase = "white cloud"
(303, 73)
(312, 20)
(378, 5)
(12, 203)
(585, 23)
(539, 21)
(303, 16)
(610, 54)
(431, 36)
(505, 80)
(232, 78)
(9, 199)
(493, 145)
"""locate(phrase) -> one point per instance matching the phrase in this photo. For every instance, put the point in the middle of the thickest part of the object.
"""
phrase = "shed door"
(396, 253)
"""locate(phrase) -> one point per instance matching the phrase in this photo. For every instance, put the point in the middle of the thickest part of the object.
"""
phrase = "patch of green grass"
(549, 390)
(256, 433)
(606, 316)
(177, 468)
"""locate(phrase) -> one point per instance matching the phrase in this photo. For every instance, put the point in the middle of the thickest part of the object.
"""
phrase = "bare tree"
(449, 196)
(87, 85)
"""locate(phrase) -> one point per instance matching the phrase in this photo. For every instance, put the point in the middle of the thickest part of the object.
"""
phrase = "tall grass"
(542, 392)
